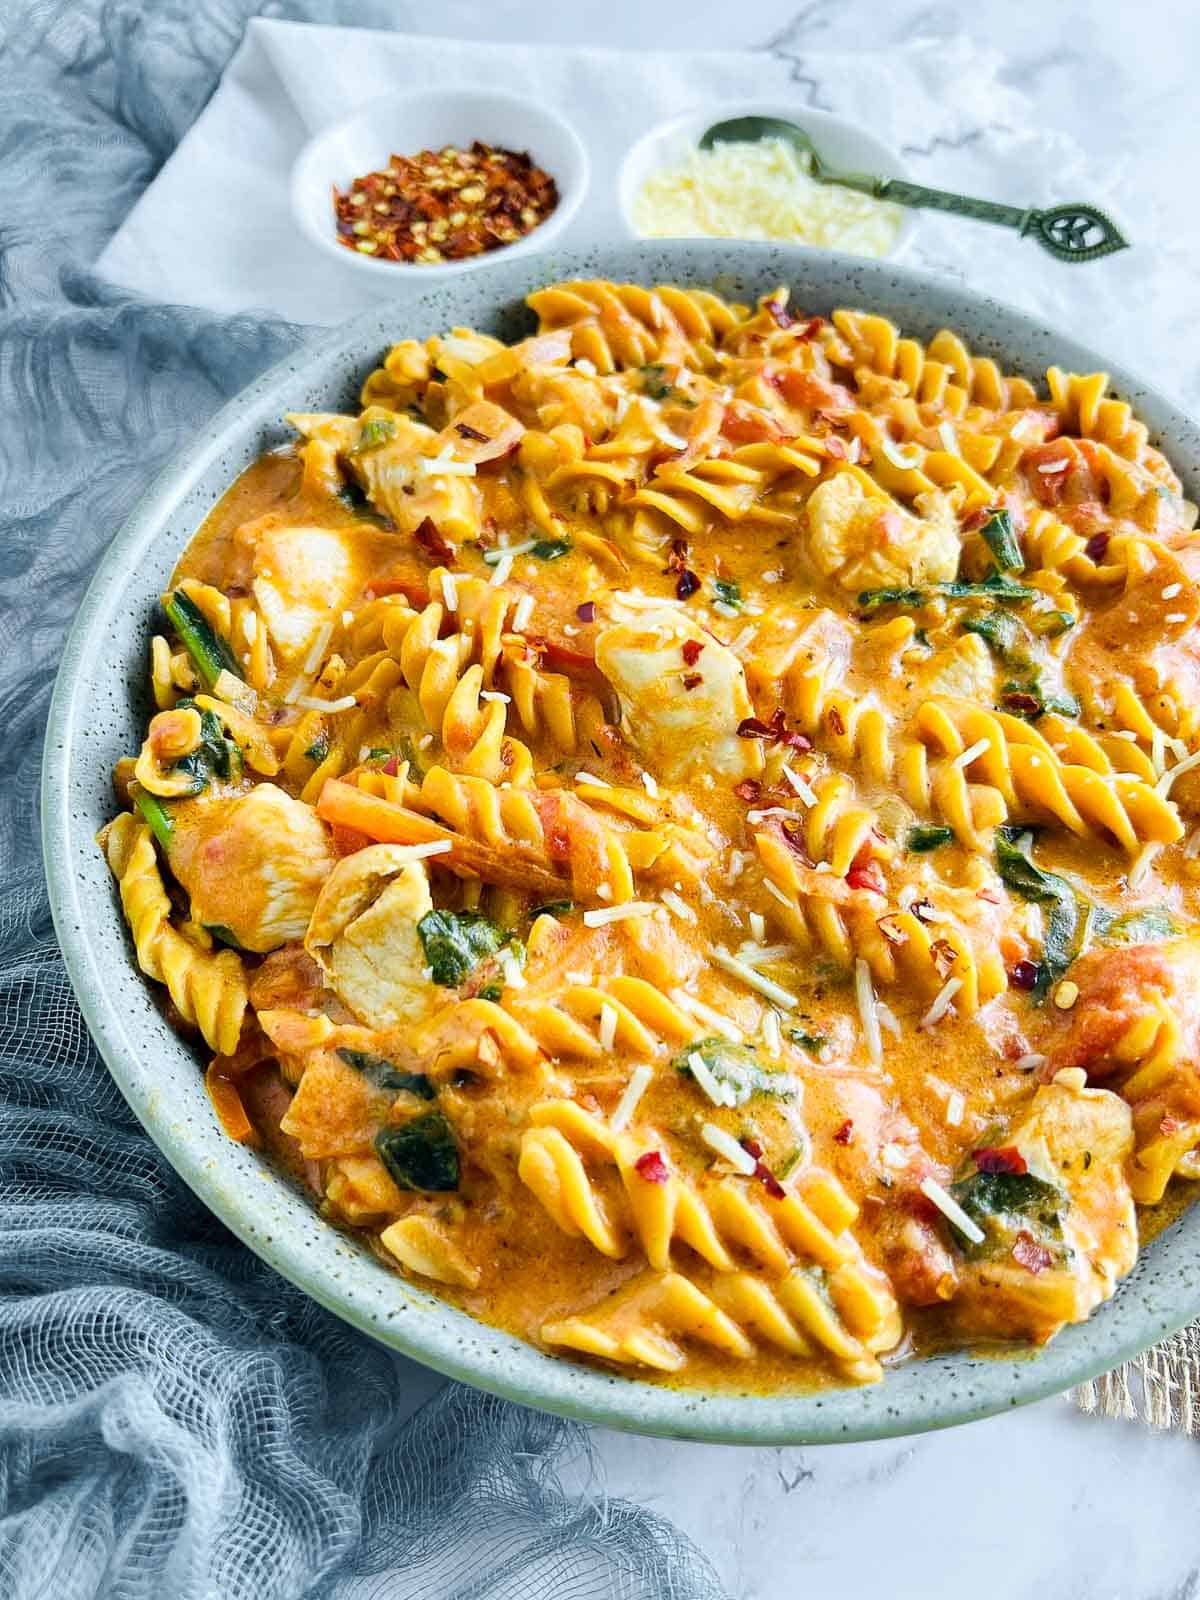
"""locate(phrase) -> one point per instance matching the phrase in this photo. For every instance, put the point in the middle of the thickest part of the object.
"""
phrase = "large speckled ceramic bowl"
(98, 707)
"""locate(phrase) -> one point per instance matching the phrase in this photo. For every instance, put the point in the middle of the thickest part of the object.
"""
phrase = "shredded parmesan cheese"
(755, 980)
(449, 592)
(721, 1094)
(705, 1014)
(761, 189)
(502, 570)
(521, 616)
(942, 1004)
(310, 702)
(608, 1026)
(955, 1106)
(679, 906)
(950, 1208)
(650, 784)
(726, 1145)
(639, 1082)
(864, 993)
(601, 915)
(972, 753)
(316, 651)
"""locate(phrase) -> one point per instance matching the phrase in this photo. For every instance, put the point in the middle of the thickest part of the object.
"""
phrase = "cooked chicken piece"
(1137, 1021)
(252, 863)
(1057, 1214)
(391, 454)
(364, 934)
(965, 669)
(866, 541)
(682, 695)
(303, 577)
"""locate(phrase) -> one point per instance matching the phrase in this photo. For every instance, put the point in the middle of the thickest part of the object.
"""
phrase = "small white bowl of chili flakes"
(439, 182)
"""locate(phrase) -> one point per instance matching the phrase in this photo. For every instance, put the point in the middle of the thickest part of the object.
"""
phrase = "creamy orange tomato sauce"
(681, 829)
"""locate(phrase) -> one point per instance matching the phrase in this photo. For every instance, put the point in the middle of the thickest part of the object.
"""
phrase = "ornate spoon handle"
(1070, 232)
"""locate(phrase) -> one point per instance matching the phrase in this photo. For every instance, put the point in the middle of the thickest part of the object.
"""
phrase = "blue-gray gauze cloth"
(176, 1421)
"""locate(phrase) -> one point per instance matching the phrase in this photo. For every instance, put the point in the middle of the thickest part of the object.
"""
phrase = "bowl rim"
(964, 1386)
(768, 106)
(407, 273)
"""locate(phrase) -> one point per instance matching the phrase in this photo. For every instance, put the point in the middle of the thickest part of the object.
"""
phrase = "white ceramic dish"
(99, 710)
(844, 146)
(428, 120)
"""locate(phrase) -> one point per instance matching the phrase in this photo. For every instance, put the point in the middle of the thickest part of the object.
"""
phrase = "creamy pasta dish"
(683, 830)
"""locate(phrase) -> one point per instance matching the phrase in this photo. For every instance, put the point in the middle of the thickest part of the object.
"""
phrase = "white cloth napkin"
(215, 228)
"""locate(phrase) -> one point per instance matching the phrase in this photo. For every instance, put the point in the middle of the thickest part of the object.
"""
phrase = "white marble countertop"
(1044, 1502)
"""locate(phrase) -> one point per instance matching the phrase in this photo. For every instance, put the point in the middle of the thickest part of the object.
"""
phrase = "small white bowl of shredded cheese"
(671, 189)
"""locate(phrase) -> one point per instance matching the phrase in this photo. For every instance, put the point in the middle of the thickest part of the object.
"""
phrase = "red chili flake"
(748, 790)
(804, 331)
(1168, 1126)
(687, 585)
(977, 518)
(867, 876)
(845, 1133)
(770, 1182)
(392, 766)
(752, 1148)
(678, 559)
(943, 955)
(775, 731)
(692, 680)
(690, 651)
(1097, 546)
(1028, 1253)
(468, 432)
(652, 1167)
(794, 842)
(434, 546)
(443, 205)
(779, 314)
(1021, 704)
(921, 909)
(835, 448)
(891, 930)
(587, 611)
(1024, 975)
(1001, 1158)
(837, 723)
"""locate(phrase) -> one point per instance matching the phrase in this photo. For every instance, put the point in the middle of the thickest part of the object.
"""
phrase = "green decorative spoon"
(1070, 232)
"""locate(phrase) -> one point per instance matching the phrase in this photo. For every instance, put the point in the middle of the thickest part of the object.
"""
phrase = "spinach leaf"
(490, 991)
(736, 1068)
(814, 1043)
(215, 756)
(550, 549)
(654, 382)
(998, 534)
(994, 587)
(873, 599)
(1046, 889)
(154, 814)
(928, 837)
(1005, 635)
(727, 592)
(383, 1074)
(1030, 701)
(456, 941)
(373, 433)
(319, 749)
(552, 908)
(224, 935)
(209, 652)
(420, 1154)
(1132, 927)
(1006, 1204)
